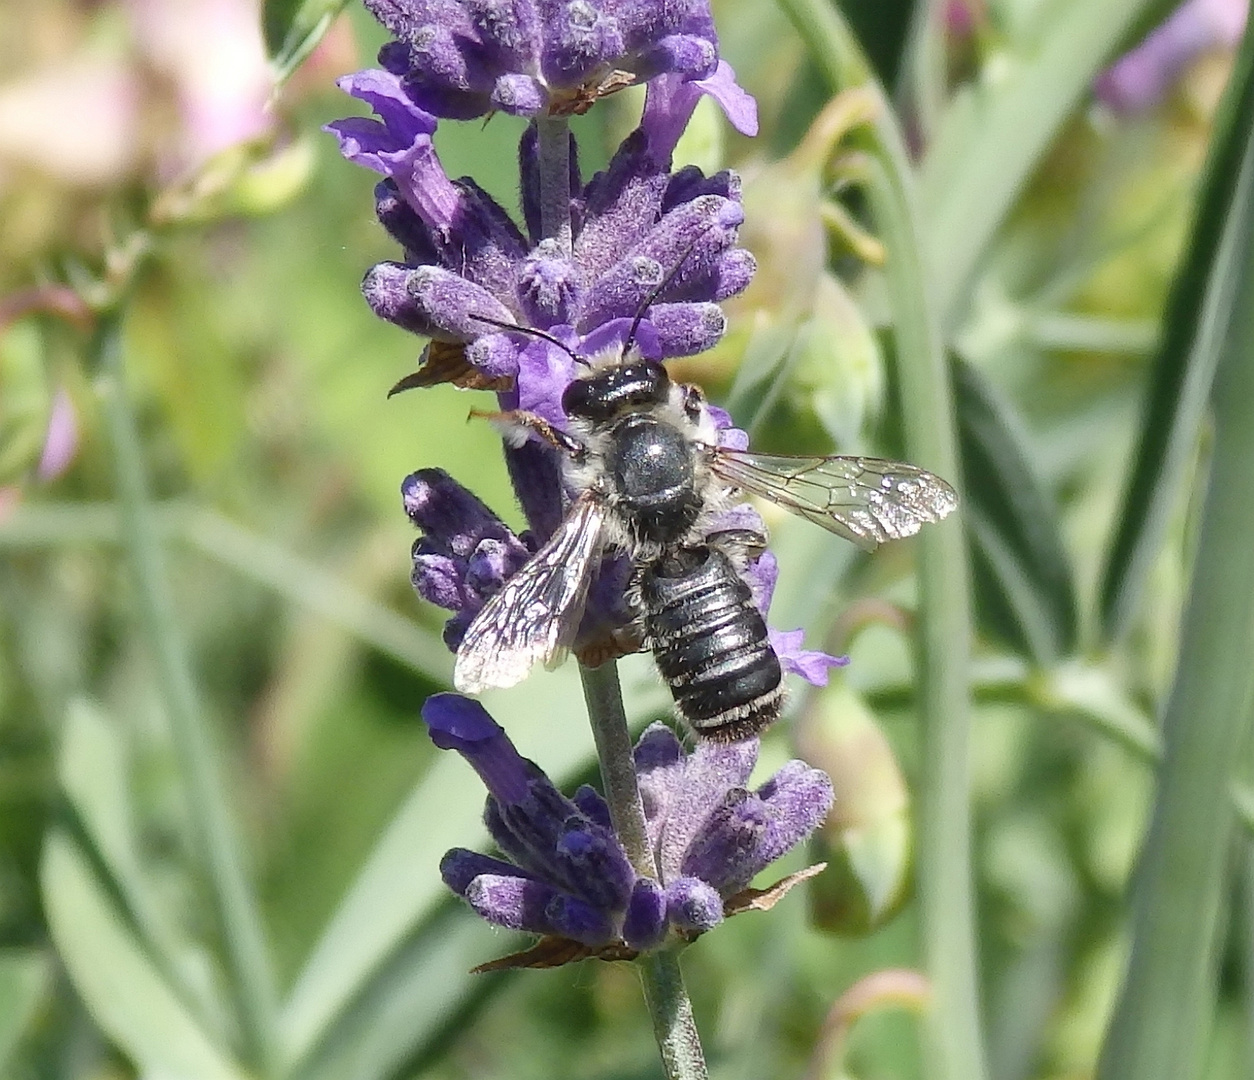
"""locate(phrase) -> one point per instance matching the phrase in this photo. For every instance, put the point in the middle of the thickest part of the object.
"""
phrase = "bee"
(642, 455)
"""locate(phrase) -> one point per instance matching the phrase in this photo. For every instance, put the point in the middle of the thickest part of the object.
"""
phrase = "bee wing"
(865, 500)
(536, 614)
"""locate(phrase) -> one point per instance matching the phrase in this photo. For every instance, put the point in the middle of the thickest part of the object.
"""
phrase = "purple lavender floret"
(464, 58)
(465, 554)
(465, 257)
(565, 873)
(1141, 78)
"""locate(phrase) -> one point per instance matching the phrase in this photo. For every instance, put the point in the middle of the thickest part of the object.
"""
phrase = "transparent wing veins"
(868, 501)
(536, 614)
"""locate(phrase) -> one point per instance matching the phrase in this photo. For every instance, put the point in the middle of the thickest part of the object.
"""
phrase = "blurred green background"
(1056, 222)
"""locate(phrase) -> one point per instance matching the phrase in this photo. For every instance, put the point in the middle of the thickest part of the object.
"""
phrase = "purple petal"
(621, 205)
(462, 724)
(453, 517)
(687, 329)
(1141, 78)
(450, 303)
(761, 575)
(519, 95)
(738, 104)
(494, 355)
(594, 807)
(536, 473)
(550, 286)
(544, 371)
(594, 863)
(609, 338)
(437, 578)
(577, 38)
(810, 664)
(537, 908)
(711, 771)
(725, 850)
(660, 761)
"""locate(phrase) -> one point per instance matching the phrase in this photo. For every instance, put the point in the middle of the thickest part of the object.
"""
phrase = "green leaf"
(399, 887)
(1024, 588)
(25, 979)
(402, 1012)
(757, 382)
(1163, 1016)
(293, 29)
(993, 134)
(94, 775)
(1197, 315)
(944, 623)
(125, 992)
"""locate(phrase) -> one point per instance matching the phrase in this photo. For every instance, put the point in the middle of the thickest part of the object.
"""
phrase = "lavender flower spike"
(464, 58)
(565, 876)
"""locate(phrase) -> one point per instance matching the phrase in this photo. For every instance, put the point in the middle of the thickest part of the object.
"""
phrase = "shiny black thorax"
(698, 617)
(650, 464)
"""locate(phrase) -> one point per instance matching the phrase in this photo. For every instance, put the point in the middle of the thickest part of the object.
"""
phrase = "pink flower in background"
(61, 441)
(1140, 79)
(77, 120)
(213, 53)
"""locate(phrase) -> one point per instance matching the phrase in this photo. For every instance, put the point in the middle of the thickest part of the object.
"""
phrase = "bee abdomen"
(710, 644)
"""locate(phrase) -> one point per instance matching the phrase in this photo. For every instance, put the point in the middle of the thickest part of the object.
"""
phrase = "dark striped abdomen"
(710, 644)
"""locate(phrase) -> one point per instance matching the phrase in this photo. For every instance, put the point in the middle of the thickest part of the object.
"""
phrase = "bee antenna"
(652, 295)
(533, 332)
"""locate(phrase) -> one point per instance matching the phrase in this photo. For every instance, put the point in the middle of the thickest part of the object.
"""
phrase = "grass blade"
(1024, 588)
(991, 138)
(944, 626)
(1162, 1017)
(126, 994)
(215, 841)
(1196, 318)
(293, 29)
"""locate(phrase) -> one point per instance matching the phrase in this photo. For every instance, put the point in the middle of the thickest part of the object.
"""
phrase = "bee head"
(613, 391)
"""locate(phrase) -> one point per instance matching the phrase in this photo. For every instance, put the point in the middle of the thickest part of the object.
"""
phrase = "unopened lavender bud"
(693, 905)
(644, 925)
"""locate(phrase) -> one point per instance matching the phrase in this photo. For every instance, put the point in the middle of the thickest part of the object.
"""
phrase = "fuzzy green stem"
(216, 843)
(664, 993)
(553, 152)
(673, 1023)
(604, 698)
(943, 812)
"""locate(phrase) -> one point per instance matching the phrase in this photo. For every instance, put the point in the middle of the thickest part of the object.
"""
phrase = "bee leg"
(517, 424)
(746, 543)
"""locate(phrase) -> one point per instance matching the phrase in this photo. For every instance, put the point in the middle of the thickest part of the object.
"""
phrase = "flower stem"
(618, 768)
(673, 1023)
(213, 834)
(945, 892)
(553, 151)
(664, 993)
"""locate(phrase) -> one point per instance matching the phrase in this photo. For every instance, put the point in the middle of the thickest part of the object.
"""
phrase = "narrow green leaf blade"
(1196, 319)
(25, 979)
(1025, 589)
(402, 1012)
(991, 137)
(1163, 1015)
(124, 991)
(293, 29)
